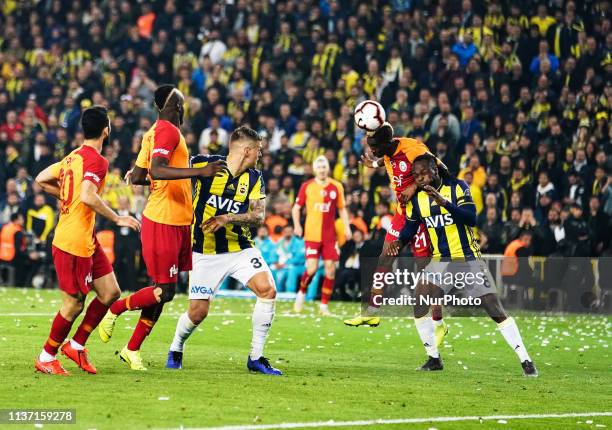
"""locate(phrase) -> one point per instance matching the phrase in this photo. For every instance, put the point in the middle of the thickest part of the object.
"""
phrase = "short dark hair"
(244, 132)
(15, 216)
(161, 94)
(94, 120)
(381, 136)
(425, 157)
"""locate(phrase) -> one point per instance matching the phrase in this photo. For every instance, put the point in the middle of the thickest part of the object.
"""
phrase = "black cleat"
(529, 369)
(431, 364)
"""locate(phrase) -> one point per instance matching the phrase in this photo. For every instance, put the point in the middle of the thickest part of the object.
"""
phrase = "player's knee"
(167, 294)
(268, 292)
(197, 314)
(110, 296)
(72, 307)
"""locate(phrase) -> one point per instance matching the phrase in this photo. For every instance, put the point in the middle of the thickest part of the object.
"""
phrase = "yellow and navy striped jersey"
(450, 237)
(220, 195)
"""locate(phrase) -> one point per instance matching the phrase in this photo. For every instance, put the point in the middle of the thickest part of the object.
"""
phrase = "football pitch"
(362, 378)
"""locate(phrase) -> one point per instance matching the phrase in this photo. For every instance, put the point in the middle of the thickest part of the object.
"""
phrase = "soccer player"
(321, 196)
(166, 220)
(448, 211)
(226, 208)
(397, 156)
(80, 263)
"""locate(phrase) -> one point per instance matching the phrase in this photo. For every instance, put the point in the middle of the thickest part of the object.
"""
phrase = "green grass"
(331, 371)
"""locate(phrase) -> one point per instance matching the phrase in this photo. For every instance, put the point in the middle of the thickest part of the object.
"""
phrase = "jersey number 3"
(256, 263)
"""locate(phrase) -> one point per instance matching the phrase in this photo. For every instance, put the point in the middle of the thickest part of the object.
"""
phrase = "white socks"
(425, 327)
(184, 328)
(45, 357)
(263, 313)
(438, 322)
(510, 331)
(76, 345)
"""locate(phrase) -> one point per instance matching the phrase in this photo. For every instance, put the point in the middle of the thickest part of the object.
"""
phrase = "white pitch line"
(332, 423)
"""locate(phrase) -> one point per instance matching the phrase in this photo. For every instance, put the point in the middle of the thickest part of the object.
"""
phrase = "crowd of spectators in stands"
(514, 97)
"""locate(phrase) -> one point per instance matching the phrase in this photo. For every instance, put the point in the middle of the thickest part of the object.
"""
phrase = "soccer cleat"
(324, 311)
(79, 357)
(174, 360)
(529, 369)
(439, 332)
(132, 358)
(106, 326)
(51, 367)
(298, 306)
(432, 364)
(357, 321)
(262, 365)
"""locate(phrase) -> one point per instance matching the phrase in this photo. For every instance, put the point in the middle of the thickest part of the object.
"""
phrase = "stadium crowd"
(515, 99)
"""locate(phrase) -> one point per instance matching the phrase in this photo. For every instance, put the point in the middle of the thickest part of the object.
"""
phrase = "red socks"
(138, 300)
(326, 290)
(142, 330)
(59, 331)
(305, 281)
(95, 312)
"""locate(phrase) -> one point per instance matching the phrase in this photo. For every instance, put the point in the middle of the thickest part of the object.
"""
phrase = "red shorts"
(326, 250)
(166, 250)
(420, 245)
(76, 274)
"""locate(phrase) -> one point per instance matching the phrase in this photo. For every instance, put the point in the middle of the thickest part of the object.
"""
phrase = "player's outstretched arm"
(161, 170)
(253, 218)
(296, 213)
(48, 180)
(89, 196)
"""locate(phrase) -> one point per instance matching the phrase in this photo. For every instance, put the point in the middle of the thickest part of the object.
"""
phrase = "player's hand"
(369, 161)
(348, 234)
(407, 194)
(213, 224)
(128, 221)
(128, 176)
(212, 168)
(434, 194)
(297, 230)
(392, 249)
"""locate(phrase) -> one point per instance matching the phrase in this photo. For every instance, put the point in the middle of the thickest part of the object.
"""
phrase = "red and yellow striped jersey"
(74, 233)
(321, 203)
(170, 201)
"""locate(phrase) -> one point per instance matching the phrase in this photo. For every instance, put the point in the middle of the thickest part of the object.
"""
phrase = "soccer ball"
(369, 115)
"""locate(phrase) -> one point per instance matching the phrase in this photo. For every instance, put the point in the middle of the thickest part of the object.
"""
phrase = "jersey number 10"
(66, 183)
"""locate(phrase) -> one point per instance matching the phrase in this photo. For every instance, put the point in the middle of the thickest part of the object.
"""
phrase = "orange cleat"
(79, 356)
(50, 367)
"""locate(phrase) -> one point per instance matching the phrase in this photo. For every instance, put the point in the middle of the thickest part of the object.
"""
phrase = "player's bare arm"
(137, 176)
(296, 213)
(89, 196)
(161, 170)
(369, 161)
(48, 181)
(253, 218)
(346, 222)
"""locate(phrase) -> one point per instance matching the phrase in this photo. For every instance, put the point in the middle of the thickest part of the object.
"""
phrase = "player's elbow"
(87, 197)
(156, 173)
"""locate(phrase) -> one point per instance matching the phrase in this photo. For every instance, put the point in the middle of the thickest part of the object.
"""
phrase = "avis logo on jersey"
(224, 204)
(441, 220)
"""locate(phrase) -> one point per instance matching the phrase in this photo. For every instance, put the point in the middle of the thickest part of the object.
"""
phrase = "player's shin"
(59, 331)
(263, 314)
(141, 299)
(425, 328)
(511, 333)
(95, 312)
(184, 328)
(147, 320)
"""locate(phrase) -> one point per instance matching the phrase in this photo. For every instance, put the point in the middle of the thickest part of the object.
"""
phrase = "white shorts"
(210, 270)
